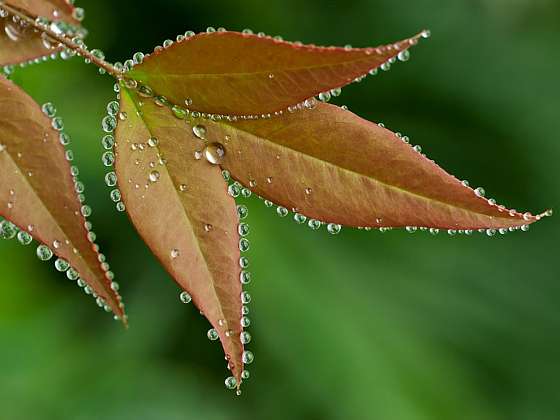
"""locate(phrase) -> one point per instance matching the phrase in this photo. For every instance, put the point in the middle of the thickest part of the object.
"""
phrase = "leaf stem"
(66, 41)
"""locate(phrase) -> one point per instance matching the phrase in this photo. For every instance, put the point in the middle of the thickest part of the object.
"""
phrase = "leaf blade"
(231, 73)
(336, 167)
(38, 190)
(195, 232)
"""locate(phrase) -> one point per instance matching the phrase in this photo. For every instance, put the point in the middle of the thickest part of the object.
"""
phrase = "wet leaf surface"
(181, 208)
(37, 189)
(19, 42)
(231, 73)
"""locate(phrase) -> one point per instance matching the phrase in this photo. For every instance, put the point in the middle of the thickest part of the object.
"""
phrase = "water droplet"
(185, 297)
(214, 153)
(333, 228)
(300, 218)
(479, 192)
(245, 337)
(78, 13)
(527, 216)
(113, 108)
(44, 253)
(245, 374)
(314, 224)
(24, 238)
(111, 179)
(154, 176)
(174, 253)
(234, 190)
(242, 211)
(61, 265)
(404, 55)
(245, 297)
(245, 322)
(108, 141)
(108, 124)
(245, 277)
(212, 334)
(199, 131)
(230, 382)
(153, 142)
(244, 245)
(179, 112)
(247, 357)
(73, 275)
(49, 109)
(282, 211)
(243, 229)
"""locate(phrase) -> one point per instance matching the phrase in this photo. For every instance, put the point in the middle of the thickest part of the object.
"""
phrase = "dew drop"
(214, 153)
(199, 131)
(479, 192)
(154, 176)
(212, 334)
(44, 253)
(230, 382)
(185, 297)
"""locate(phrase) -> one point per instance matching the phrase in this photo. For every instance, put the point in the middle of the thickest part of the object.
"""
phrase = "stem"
(67, 42)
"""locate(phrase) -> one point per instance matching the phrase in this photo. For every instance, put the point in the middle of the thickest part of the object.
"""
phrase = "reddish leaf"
(37, 191)
(20, 42)
(181, 208)
(239, 74)
(333, 166)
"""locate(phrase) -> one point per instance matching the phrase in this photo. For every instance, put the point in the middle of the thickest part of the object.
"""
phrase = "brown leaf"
(20, 42)
(181, 208)
(231, 73)
(333, 166)
(37, 191)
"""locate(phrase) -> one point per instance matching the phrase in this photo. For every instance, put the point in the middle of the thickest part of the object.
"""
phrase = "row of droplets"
(45, 252)
(310, 103)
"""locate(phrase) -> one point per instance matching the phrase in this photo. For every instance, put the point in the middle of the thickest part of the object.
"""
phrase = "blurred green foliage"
(360, 326)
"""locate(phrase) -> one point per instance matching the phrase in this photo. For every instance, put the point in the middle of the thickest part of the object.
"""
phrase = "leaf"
(19, 42)
(181, 208)
(336, 167)
(231, 73)
(37, 190)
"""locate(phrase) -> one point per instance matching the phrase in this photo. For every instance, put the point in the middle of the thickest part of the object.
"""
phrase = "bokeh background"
(364, 325)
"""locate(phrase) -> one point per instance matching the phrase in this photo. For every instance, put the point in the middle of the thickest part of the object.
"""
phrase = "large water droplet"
(214, 153)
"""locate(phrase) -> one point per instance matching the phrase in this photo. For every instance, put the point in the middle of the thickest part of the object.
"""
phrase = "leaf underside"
(19, 44)
(230, 73)
(37, 189)
(183, 212)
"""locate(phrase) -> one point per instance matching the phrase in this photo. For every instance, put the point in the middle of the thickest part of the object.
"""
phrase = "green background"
(364, 325)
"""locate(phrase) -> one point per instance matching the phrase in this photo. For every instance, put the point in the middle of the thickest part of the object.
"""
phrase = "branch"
(66, 41)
